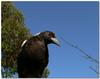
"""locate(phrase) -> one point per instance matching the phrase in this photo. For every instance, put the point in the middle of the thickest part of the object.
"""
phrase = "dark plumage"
(33, 57)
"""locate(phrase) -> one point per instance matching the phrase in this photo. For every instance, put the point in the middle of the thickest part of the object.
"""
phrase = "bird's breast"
(37, 52)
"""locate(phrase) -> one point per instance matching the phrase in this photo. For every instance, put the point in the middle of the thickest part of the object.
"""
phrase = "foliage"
(13, 34)
(9, 72)
(45, 73)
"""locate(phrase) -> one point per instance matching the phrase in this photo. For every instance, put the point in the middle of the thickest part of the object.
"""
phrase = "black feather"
(34, 56)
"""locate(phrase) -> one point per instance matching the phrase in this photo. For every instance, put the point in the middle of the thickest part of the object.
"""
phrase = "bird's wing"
(23, 43)
(37, 34)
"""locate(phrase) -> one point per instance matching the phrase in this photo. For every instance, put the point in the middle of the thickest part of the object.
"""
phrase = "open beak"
(55, 41)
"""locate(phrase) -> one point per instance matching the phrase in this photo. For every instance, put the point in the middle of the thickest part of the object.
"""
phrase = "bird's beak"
(55, 41)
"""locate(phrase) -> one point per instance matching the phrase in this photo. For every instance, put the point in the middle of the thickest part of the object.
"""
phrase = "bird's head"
(49, 37)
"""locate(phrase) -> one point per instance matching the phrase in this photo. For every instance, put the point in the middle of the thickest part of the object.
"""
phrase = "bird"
(34, 56)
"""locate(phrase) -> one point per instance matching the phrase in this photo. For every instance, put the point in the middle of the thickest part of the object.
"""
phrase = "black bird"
(33, 57)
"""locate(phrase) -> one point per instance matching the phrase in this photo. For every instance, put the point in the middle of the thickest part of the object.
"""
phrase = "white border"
(0, 40)
(51, 0)
(99, 39)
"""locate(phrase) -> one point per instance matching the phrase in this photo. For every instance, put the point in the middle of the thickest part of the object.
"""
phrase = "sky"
(76, 22)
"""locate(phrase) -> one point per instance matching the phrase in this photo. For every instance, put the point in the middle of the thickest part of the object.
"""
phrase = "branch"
(88, 56)
(93, 70)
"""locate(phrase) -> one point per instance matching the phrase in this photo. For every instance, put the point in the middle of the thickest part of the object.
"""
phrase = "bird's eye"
(49, 34)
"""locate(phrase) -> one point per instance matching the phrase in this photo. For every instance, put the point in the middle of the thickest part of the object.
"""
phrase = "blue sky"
(77, 22)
